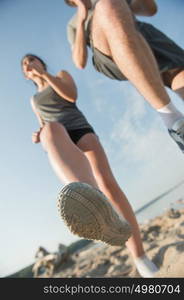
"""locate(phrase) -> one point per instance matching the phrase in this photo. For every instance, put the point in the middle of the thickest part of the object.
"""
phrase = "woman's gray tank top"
(53, 108)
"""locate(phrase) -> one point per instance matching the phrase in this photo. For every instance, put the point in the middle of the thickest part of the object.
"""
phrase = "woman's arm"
(143, 7)
(63, 84)
(36, 134)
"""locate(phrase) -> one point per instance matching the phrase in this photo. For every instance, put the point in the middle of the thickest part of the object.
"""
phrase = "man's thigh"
(170, 75)
(169, 55)
(108, 16)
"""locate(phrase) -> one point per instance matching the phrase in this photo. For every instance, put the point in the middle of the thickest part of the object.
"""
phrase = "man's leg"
(177, 82)
(120, 40)
(128, 49)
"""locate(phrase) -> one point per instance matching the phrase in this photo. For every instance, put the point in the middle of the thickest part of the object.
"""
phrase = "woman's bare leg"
(67, 160)
(93, 150)
(82, 212)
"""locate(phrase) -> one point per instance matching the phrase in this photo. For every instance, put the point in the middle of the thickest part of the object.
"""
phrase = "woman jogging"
(77, 156)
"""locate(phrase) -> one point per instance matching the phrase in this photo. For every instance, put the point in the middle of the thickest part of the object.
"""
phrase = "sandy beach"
(163, 239)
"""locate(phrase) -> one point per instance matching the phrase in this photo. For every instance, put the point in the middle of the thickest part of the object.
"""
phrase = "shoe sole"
(87, 213)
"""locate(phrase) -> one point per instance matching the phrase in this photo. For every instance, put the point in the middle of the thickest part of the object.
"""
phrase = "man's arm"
(79, 49)
(76, 36)
(143, 7)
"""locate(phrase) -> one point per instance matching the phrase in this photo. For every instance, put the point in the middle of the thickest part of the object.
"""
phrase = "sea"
(173, 198)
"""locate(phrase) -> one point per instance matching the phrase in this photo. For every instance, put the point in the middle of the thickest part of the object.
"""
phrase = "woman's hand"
(36, 137)
(36, 69)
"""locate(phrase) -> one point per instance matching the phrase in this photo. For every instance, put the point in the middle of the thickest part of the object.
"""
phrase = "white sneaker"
(145, 267)
(88, 214)
(177, 133)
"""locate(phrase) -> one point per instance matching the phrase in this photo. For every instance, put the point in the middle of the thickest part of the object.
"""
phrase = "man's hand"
(144, 7)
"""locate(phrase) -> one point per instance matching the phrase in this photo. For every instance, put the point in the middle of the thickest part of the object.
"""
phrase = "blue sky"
(144, 159)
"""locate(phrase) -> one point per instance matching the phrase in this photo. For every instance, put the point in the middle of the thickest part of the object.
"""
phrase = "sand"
(163, 239)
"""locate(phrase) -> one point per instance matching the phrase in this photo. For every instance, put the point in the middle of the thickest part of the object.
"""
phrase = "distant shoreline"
(157, 198)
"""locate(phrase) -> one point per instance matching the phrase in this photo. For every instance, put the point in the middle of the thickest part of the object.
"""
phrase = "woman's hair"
(34, 56)
(68, 2)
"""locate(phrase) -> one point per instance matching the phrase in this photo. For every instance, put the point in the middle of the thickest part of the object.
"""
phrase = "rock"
(46, 263)
(172, 213)
(119, 270)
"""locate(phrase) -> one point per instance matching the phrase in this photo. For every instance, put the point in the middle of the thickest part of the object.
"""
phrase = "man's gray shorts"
(167, 53)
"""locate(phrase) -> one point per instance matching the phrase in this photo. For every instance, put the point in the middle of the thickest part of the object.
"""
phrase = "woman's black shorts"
(76, 134)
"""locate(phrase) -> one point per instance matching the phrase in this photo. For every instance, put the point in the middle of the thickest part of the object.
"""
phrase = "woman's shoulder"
(64, 75)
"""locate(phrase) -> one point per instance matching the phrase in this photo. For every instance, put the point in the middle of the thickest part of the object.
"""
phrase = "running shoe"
(87, 213)
(177, 133)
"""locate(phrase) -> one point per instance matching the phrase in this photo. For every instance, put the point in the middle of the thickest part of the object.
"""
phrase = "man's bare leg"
(177, 83)
(119, 39)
